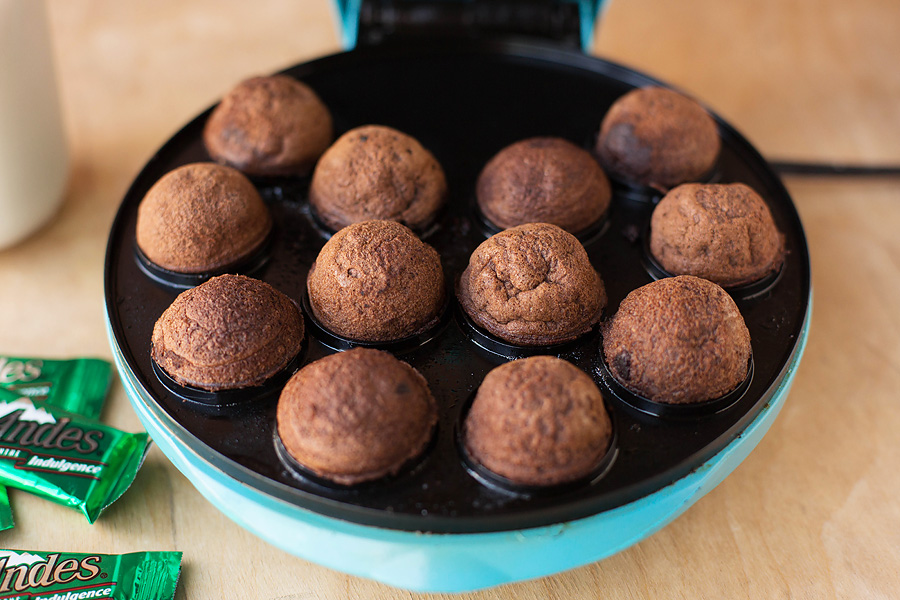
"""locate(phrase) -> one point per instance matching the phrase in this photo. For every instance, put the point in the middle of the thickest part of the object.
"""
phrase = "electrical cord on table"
(785, 167)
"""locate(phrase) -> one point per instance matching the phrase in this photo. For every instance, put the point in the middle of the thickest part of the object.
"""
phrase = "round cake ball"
(678, 340)
(375, 172)
(656, 137)
(538, 421)
(724, 233)
(546, 180)
(201, 218)
(376, 282)
(356, 416)
(532, 285)
(228, 333)
(269, 126)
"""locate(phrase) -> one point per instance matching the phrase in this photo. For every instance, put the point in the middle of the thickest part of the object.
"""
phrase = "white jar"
(33, 153)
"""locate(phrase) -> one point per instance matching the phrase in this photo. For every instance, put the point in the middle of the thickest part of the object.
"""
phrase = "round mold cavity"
(253, 263)
(635, 192)
(227, 399)
(302, 473)
(667, 410)
(586, 236)
(498, 482)
(399, 346)
(746, 291)
(495, 345)
(423, 234)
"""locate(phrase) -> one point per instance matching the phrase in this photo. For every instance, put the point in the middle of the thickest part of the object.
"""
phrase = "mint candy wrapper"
(78, 385)
(65, 457)
(6, 516)
(37, 575)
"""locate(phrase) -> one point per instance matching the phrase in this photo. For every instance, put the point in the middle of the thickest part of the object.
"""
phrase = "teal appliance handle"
(569, 23)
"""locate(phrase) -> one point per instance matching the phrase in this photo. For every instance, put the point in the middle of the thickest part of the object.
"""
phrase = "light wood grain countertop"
(812, 513)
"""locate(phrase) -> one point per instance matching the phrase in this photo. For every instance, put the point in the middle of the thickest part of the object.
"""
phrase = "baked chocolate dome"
(272, 125)
(532, 285)
(678, 340)
(657, 137)
(201, 218)
(543, 180)
(376, 282)
(538, 421)
(356, 416)
(724, 233)
(228, 333)
(375, 172)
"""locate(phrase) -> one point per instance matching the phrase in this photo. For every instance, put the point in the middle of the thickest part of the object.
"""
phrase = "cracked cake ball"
(201, 218)
(657, 137)
(543, 180)
(356, 416)
(532, 285)
(272, 125)
(228, 333)
(376, 282)
(375, 172)
(724, 233)
(538, 421)
(678, 340)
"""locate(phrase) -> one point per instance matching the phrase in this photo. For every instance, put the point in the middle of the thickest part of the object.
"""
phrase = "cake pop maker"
(440, 526)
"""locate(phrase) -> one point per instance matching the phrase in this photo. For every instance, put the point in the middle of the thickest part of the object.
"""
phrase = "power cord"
(785, 167)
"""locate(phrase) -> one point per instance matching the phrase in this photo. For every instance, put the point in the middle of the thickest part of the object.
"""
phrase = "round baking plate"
(439, 526)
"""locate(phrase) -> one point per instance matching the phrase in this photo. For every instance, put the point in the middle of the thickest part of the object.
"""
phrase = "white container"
(33, 153)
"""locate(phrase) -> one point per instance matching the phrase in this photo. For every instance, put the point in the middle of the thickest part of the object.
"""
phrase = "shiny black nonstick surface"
(464, 103)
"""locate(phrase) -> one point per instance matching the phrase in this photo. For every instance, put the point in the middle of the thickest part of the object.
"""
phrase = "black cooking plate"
(465, 103)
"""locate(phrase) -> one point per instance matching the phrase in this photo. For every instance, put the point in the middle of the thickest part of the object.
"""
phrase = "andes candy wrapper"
(6, 516)
(65, 457)
(38, 575)
(78, 385)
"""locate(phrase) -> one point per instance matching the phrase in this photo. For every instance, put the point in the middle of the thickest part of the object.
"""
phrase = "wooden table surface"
(812, 513)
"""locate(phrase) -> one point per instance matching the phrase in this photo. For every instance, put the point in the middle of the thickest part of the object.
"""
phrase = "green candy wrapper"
(36, 575)
(6, 516)
(79, 385)
(65, 457)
